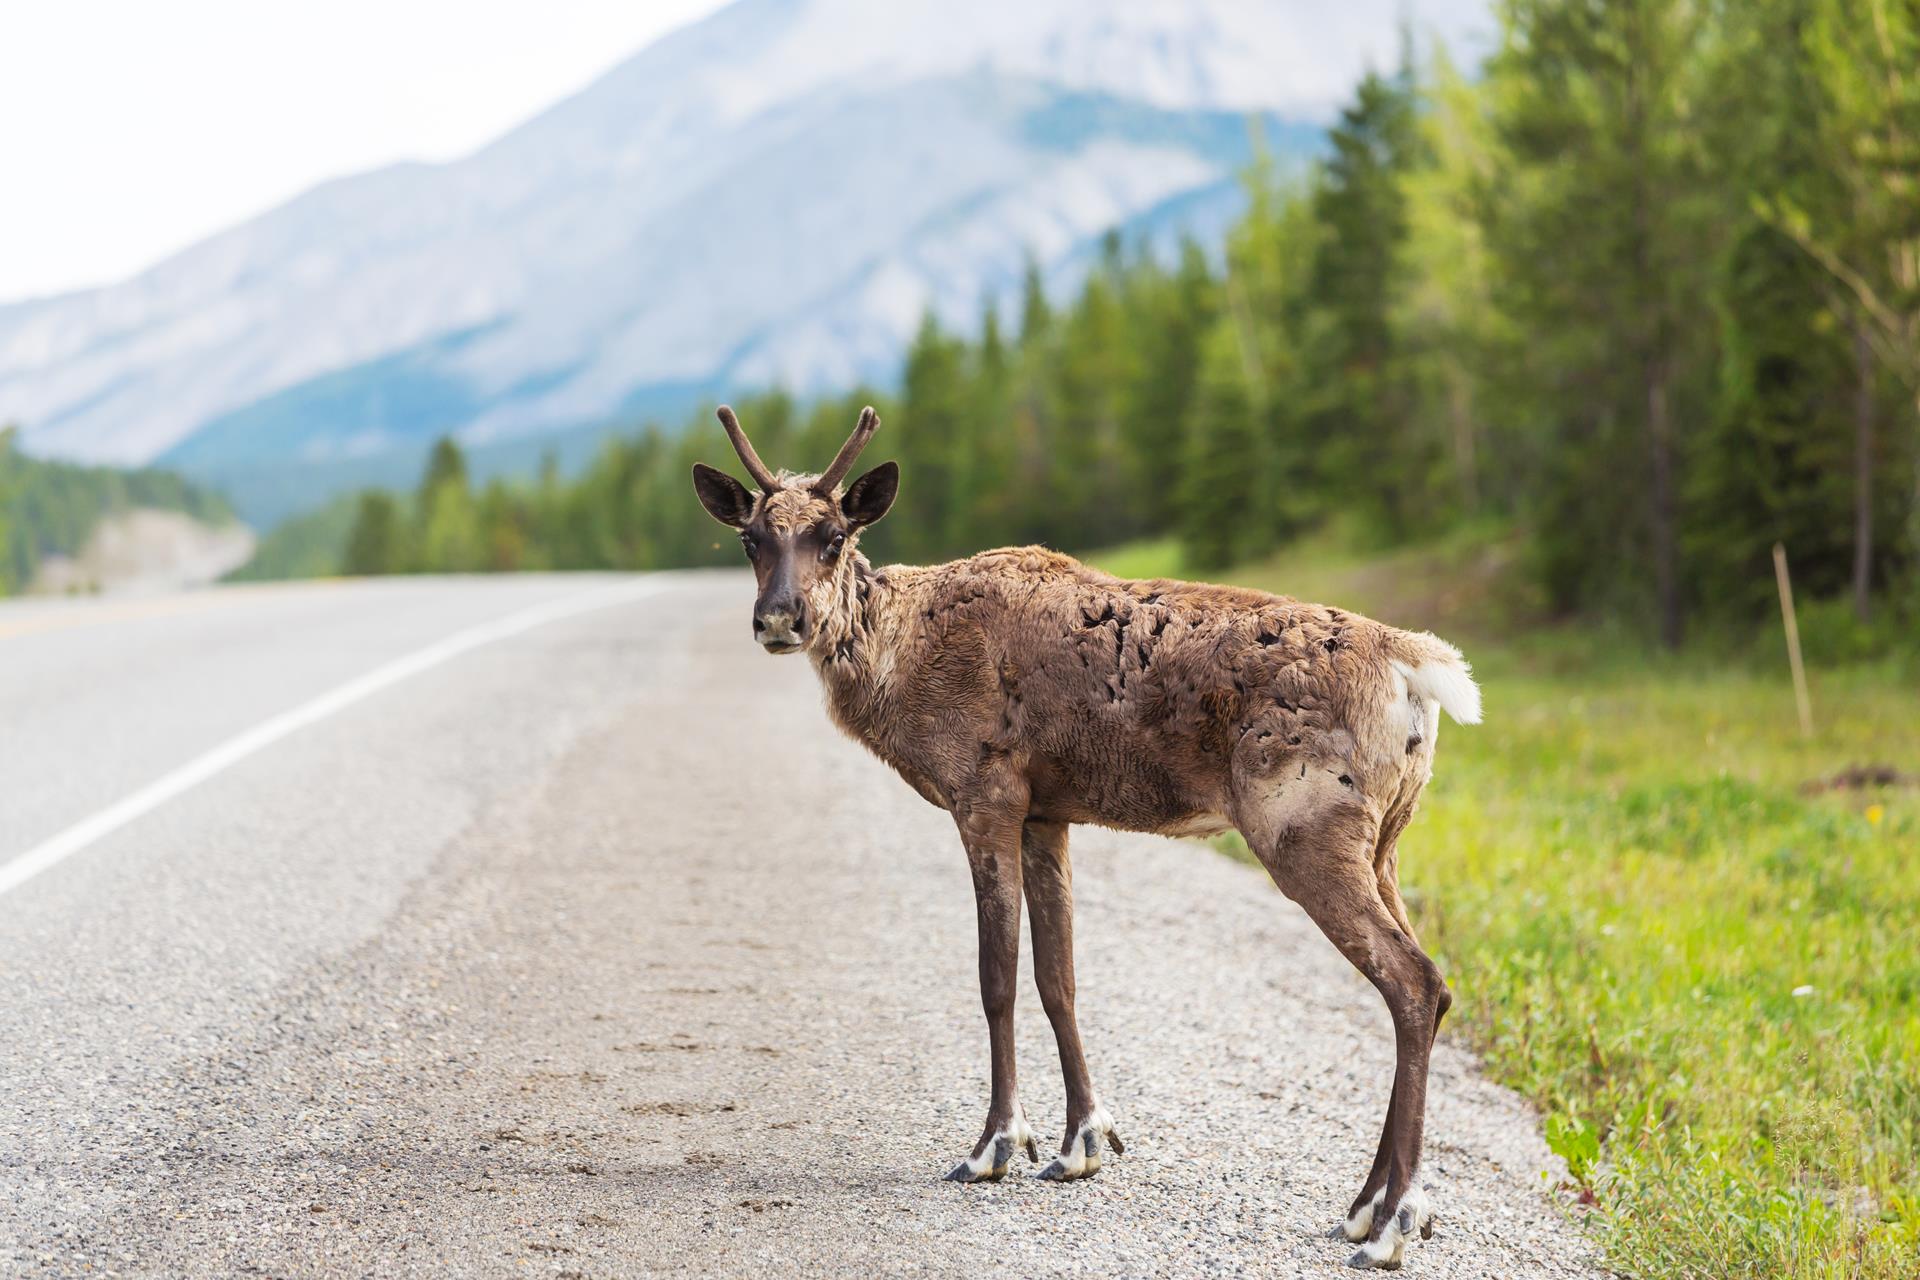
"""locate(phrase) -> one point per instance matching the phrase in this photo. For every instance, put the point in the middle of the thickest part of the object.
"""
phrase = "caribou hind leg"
(1322, 856)
(1047, 875)
(1358, 1225)
(990, 826)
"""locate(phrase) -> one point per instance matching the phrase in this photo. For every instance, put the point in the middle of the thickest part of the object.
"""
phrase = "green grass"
(1705, 974)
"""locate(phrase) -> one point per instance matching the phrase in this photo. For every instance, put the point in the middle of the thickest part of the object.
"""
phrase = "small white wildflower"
(1801, 993)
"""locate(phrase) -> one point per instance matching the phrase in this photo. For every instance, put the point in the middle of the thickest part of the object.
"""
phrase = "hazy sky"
(132, 128)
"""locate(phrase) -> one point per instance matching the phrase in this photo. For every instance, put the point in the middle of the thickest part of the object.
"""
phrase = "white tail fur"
(1436, 671)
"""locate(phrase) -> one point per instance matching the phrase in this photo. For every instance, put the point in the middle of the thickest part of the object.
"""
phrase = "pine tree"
(1036, 313)
(1220, 481)
(1774, 465)
(503, 534)
(449, 531)
(376, 540)
(446, 466)
(1170, 316)
(1445, 324)
(993, 492)
(934, 445)
(1603, 244)
(1364, 401)
(1089, 372)
(1862, 56)
(1266, 299)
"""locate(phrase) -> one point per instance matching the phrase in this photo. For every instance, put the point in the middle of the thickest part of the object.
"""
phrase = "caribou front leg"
(990, 827)
(1047, 875)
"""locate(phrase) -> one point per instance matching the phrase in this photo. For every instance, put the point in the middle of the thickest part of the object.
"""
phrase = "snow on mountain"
(773, 194)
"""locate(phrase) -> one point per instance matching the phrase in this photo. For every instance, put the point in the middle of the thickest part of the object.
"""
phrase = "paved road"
(591, 950)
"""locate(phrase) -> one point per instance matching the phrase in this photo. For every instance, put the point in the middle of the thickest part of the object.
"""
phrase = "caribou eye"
(750, 543)
(834, 544)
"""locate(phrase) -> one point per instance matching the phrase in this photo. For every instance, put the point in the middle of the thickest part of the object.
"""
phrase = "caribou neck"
(845, 629)
(855, 639)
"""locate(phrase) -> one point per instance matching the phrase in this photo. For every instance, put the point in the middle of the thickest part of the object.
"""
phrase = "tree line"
(51, 508)
(1645, 285)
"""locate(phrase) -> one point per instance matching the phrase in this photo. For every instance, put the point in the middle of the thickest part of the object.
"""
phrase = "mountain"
(772, 195)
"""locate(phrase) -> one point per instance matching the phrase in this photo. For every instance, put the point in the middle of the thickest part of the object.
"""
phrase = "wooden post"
(1793, 640)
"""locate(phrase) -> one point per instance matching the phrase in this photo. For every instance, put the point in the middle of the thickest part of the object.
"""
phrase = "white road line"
(52, 852)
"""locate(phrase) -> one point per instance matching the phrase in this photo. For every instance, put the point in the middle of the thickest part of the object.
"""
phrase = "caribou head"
(799, 530)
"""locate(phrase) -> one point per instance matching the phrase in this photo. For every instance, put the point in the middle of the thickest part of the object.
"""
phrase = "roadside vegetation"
(309, 545)
(51, 508)
(1698, 957)
(1690, 935)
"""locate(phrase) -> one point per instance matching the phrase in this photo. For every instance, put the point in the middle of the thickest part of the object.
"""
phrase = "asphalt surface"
(594, 951)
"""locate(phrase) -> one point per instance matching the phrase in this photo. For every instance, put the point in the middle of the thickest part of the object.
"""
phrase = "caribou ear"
(725, 498)
(868, 498)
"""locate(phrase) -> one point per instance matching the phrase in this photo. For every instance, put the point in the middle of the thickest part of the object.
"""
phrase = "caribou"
(1023, 692)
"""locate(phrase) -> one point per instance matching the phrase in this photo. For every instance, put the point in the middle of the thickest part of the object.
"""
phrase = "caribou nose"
(781, 626)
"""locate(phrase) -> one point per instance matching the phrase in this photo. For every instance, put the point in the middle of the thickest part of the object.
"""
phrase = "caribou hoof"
(991, 1158)
(1388, 1247)
(1080, 1155)
(1367, 1259)
(1359, 1224)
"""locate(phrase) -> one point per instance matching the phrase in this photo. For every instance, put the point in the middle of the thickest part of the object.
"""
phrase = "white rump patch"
(1447, 682)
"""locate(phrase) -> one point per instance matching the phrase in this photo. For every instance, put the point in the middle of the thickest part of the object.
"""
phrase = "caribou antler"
(843, 461)
(744, 447)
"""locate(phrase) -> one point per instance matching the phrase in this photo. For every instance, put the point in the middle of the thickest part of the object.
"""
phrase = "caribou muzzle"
(781, 626)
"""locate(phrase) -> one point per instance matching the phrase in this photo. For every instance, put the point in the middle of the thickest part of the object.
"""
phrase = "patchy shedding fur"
(1147, 706)
(1023, 691)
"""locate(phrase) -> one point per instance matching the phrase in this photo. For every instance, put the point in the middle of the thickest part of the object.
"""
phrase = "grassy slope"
(1704, 975)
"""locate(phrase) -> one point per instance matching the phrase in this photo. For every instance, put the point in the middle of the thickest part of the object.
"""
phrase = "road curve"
(593, 951)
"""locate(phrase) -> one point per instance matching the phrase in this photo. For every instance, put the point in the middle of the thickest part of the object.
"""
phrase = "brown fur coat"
(1149, 706)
